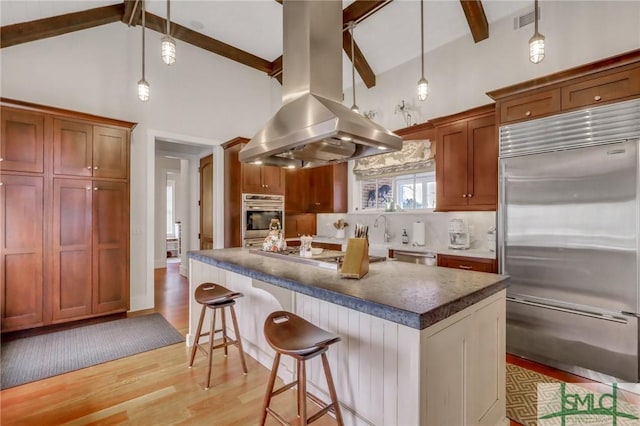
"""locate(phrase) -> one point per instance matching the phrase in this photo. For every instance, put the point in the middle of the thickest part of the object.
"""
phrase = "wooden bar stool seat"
(214, 296)
(289, 334)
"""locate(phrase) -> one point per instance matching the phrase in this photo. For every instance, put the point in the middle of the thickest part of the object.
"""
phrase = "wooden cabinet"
(65, 232)
(467, 163)
(22, 144)
(532, 106)
(468, 263)
(22, 251)
(608, 80)
(299, 224)
(296, 195)
(84, 149)
(257, 179)
(328, 189)
(601, 88)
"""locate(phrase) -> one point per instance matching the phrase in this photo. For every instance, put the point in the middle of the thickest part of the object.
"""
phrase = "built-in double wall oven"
(257, 212)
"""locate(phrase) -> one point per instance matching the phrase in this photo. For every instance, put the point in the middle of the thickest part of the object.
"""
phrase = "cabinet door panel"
(603, 88)
(72, 232)
(72, 148)
(22, 145)
(451, 165)
(252, 179)
(483, 164)
(531, 106)
(110, 246)
(110, 153)
(22, 235)
(467, 263)
(273, 179)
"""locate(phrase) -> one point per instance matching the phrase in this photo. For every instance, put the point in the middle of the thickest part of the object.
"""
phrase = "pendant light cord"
(535, 13)
(353, 72)
(143, 25)
(168, 18)
(422, 34)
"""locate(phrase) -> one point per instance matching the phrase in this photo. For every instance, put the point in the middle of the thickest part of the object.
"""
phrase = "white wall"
(212, 99)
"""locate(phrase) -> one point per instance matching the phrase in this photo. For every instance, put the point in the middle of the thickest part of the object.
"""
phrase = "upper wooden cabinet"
(609, 80)
(467, 162)
(257, 179)
(84, 149)
(296, 196)
(328, 189)
(22, 144)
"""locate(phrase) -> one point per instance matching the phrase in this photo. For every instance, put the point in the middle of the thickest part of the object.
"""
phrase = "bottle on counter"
(405, 237)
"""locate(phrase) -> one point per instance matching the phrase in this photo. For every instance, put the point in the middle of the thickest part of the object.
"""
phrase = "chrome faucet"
(387, 236)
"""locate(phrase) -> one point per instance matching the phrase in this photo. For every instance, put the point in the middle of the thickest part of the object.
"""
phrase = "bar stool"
(288, 334)
(214, 296)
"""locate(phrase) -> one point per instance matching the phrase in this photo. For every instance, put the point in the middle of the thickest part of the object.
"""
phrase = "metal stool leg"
(212, 334)
(236, 330)
(269, 394)
(332, 389)
(198, 331)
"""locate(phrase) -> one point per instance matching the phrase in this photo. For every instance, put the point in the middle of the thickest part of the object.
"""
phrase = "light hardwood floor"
(152, 388)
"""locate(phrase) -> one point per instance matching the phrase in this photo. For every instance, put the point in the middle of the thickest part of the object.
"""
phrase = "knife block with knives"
(356, 259)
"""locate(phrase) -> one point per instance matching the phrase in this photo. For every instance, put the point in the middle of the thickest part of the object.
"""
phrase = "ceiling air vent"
(524, 20)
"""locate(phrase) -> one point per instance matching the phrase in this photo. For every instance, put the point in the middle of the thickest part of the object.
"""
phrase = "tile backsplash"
(436, 226)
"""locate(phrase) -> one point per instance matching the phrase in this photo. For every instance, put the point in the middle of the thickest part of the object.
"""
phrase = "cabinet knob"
(597, 98)
(88, 188)
(95, 188)
(528, 113)
(1, 159)
(464, 195)
(1, 183)
(88, 167)
(266, 186)
(464, 266)
(95, 167)
(469, 195)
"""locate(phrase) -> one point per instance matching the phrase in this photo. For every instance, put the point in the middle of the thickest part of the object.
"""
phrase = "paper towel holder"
(418, 230)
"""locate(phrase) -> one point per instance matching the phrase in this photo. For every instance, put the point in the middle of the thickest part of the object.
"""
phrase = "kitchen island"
(420, 345)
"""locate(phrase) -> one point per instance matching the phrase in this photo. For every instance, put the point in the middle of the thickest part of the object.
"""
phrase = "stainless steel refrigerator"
(568, 223)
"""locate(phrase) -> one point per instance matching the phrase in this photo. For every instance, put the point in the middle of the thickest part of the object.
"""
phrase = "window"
(171, 205)
(405, 192)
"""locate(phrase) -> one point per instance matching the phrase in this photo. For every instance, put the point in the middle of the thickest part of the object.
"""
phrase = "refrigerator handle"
(502, 225)
(569, 311)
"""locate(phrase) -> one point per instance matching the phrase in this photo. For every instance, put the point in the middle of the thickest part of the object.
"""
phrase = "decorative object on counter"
(458, 234)
(305, 246)
(491, 239)
(536, 43)
(390, 206)
(340, 225)
(423, 83)
(418, 234)
(416, 156)
(356, 258)
(275, 240)
(405, 237)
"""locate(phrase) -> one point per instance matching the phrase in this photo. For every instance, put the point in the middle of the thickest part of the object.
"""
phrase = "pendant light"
(536, 43)
(168, 45)
(143, 86)
(354, 107)
(423, 83)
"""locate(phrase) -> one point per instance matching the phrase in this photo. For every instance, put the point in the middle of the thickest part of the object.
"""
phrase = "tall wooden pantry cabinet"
(64, 217)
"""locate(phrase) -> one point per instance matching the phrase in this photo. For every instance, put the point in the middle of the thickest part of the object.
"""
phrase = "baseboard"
(141, 303)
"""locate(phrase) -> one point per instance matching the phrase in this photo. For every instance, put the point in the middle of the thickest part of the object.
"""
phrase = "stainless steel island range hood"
(313, 128)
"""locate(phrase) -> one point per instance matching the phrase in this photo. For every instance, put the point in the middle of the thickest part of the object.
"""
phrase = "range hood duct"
(313, 128)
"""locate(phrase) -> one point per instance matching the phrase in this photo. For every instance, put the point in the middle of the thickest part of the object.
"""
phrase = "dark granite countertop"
(413, 295)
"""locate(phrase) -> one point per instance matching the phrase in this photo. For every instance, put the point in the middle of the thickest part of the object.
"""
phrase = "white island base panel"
(451, 373)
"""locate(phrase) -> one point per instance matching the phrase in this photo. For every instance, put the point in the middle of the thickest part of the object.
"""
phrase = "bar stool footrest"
(278, 417)
(283, 388)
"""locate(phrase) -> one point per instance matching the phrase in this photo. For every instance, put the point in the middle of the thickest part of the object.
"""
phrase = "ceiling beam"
(212, 45)
(356, 12)
(364, 70)
(24, 32)
(476, 19)
(132, 11)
